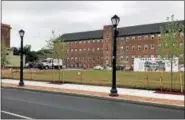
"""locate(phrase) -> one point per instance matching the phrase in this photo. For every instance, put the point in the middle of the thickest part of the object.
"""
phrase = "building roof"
(5, 25)
(123, 31)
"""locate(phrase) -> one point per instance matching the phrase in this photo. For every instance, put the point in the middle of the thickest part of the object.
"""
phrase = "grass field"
(104, 77)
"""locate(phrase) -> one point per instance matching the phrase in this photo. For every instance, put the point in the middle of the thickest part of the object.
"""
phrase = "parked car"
(108, 68)
(98, 67)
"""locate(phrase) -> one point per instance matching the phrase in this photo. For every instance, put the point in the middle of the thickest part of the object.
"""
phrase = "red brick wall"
(5, 34)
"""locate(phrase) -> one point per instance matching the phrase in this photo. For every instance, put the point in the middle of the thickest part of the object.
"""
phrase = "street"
(18, 103)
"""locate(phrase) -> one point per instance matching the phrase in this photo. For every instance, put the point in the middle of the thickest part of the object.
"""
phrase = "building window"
(98, 48)
(93, 49)
(126, 58)
(127, 38)
(88, 41)
(75, 49)
(152, 56)
(152, 37)
(121, 47)
(139, 37)
(107, 39)
(98, 40)
(133, 57)
(80, 49)
(139, 47)
(121, 57)
(159, 36)
(152, 46)
(71, 50)
(80, 42)
(133, 47)
(146, 47)
(159, 46)
(145, 56)
(145, 37)
(88, 49)
(133, 38)
(84, 49)
(122, 38)
(84, 42)
(93, 41)
(127, 47)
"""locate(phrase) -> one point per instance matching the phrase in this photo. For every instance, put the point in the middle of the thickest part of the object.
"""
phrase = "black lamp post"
(115, 20)
(21, 83)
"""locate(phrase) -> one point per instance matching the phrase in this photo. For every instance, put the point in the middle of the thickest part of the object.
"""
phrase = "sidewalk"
(148, 96)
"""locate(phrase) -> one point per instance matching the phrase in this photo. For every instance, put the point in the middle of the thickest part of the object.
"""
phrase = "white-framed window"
(98, 40)
(126, 58)
(151, 46)
(93, 49)
(75, 49)
(133, 38)
(121, 47)
(145, 37)
(84, 49)
(71, 58)
(152, 37)
(139, 47)
(127, 38)
(93, 41)
(75, 58)
(88, 41)
(98, 48)
(88, 49)
(84, 42)
(80, 49)
(71, 50)
(122, 38)
(159, 36)
(127, 47)
(181, 34)
(80, 42)
(152, 56)
(139, 37)
(133, 57)
(146, 47)
(133, 47)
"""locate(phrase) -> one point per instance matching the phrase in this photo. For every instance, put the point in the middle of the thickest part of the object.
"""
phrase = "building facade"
(5, 34)
(93, 48)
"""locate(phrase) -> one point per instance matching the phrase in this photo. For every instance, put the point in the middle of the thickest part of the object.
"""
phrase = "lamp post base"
(113, 93)
(21, 83)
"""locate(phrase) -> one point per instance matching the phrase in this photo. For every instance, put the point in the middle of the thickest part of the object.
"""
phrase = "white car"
(109, 68)
(98, 67)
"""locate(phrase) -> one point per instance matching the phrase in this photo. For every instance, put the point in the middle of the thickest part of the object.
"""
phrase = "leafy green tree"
(58, 48)
(170, 42)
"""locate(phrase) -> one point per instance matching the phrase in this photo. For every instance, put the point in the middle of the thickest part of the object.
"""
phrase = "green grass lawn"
(104, 77)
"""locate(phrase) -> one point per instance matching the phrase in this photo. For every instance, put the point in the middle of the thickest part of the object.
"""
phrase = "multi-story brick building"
(93, 48)
(5, 34)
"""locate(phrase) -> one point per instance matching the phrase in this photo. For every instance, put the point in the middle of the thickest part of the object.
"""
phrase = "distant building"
(14, 60)
(93, 48)
(5, 34)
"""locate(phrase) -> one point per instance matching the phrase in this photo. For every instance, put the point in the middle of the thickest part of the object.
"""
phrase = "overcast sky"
(38, 19)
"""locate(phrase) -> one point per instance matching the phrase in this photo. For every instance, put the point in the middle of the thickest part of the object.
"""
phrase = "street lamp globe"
(21, 33)
(115, 20)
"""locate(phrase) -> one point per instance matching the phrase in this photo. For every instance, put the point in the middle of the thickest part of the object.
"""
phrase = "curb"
(102, 98)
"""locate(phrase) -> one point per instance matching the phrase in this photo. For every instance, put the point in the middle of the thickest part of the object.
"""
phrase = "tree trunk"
(171, 77)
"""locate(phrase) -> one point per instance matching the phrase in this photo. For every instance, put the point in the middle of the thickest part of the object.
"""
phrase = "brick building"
(93, 48)
(5, 34)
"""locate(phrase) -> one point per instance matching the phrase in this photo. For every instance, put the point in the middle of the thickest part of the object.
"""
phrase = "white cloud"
(38, 18)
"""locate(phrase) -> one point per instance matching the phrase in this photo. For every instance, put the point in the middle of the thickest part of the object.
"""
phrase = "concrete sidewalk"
(148, 94)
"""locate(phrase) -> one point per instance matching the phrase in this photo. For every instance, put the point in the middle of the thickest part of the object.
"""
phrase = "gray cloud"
(39, 18)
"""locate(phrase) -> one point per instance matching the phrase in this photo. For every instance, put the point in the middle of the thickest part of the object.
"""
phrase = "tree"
(4, 60)
(170, 42)
(58, 48)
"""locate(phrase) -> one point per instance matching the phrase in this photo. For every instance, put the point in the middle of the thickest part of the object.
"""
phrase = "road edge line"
(14, 114)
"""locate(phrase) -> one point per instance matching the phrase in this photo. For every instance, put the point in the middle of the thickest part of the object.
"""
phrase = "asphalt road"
(17, 103)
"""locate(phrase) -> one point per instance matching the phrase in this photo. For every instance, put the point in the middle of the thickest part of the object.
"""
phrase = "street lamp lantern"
(115, 20)
(21, 33)
(21, 83)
